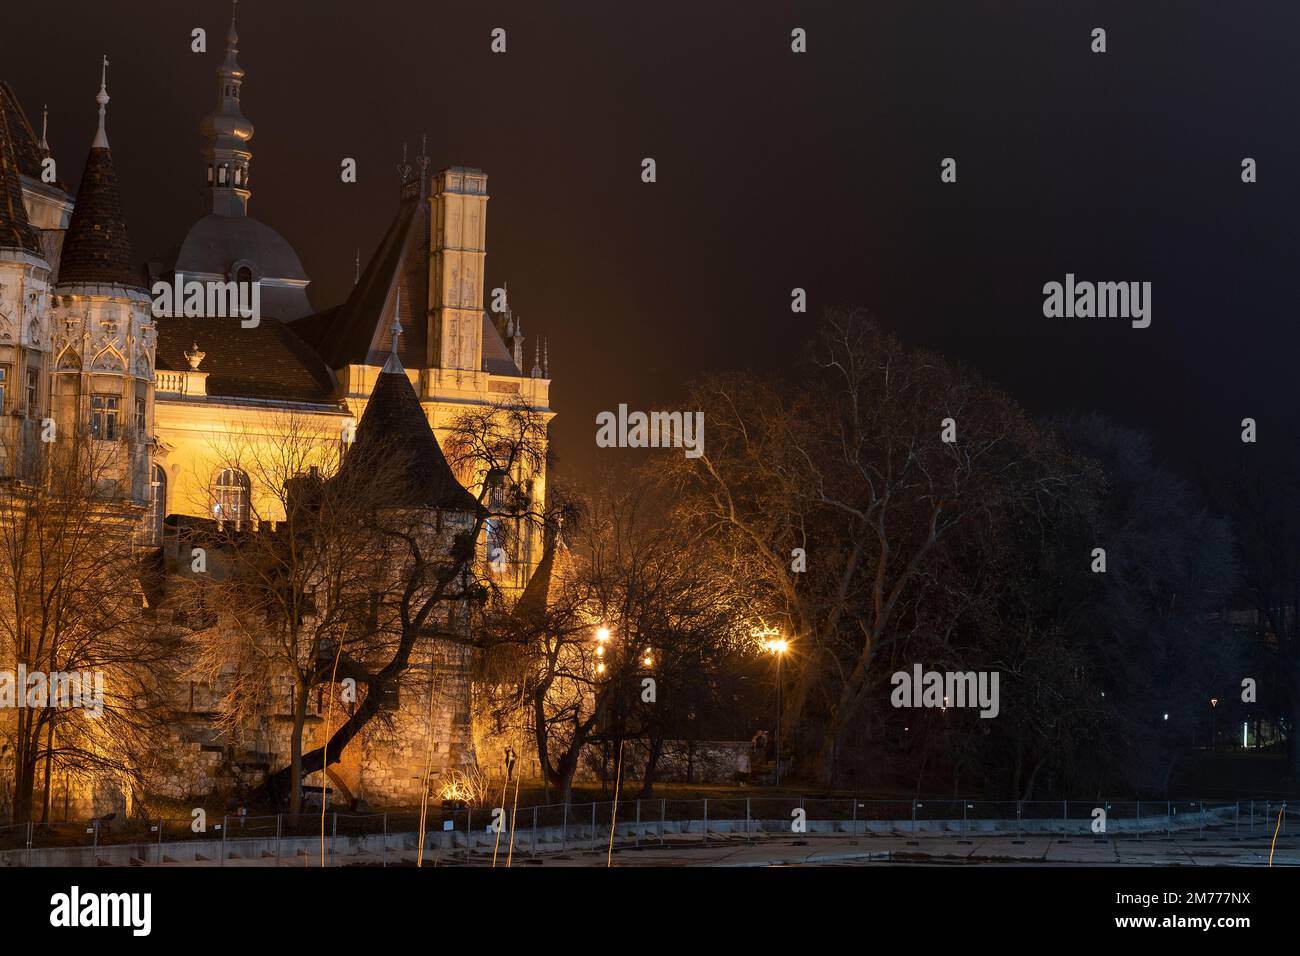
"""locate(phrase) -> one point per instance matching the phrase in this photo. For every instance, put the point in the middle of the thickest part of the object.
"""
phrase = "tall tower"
(226, 134)
(458, 208)
(103, 331)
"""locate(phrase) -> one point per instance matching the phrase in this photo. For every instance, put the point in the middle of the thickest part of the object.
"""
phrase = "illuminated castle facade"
(84, 344)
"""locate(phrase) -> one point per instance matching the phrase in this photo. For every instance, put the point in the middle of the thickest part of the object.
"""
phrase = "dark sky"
(776, 170)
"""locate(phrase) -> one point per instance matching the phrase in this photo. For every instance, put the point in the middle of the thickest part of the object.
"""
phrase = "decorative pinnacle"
(45, 127)
(101, 137)
(397, 320)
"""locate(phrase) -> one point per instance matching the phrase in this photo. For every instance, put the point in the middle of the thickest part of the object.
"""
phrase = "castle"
(84, 345)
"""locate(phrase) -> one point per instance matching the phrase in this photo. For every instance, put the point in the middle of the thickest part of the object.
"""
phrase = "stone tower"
(226, 134)
(102, 333)
(458, 206)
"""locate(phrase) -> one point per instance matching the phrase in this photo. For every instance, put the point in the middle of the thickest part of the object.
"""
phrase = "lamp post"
(778, 646)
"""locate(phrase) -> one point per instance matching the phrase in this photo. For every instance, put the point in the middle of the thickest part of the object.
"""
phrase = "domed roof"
(216, 243)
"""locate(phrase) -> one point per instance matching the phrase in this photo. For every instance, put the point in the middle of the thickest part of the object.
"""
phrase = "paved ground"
(1218, 849)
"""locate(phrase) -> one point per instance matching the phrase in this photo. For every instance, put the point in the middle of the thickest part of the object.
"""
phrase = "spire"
(394, 364)
(537, 360)
(45, 128)
(96, 250)
(517, 340)
(226, 133)
(394, 439)
(101, 136)
(546, 358)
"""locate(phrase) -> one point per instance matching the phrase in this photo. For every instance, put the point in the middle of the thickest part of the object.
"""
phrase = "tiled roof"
(266, 361)
(393, 429)
(97, 250)
(16, 230)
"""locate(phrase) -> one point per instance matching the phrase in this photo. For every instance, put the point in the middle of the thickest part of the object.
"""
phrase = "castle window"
(221, 175)
(33, 383)
(231, 498)
(153, 528)
(239, 175)
(210, 175)
(4, 386)
(103, 416)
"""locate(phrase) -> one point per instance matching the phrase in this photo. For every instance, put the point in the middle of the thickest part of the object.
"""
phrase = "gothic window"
(103, 416)
(4, 386)
(140, 417)
(231, 498)
(33, 390)
(157, 507)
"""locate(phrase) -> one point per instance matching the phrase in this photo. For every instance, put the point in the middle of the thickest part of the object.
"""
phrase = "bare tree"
(69, 611)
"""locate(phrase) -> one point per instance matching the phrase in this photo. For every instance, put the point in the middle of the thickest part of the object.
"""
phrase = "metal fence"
(337, 838)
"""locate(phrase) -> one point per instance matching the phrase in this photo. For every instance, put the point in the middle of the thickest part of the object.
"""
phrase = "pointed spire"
(96, 250)
(45, 128)
(226, 133)
(394, 364)
(423, 162)
(546, 358)
(101, 135)
(537, 360)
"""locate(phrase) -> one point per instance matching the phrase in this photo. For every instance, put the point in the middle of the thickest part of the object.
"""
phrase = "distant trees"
(887, 508)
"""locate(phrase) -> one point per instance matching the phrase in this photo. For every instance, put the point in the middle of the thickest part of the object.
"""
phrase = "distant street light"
(778, 646)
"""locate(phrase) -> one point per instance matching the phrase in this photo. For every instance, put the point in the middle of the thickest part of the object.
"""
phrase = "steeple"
(96, 250)
(226, 134)
(394, 364)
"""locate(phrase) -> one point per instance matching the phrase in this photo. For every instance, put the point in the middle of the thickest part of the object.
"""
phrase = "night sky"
(775, 170)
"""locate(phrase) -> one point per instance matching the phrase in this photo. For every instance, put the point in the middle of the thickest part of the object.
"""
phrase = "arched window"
(230, 499)
(153, 528)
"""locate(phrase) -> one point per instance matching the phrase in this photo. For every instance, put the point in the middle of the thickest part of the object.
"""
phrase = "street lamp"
(778, 646)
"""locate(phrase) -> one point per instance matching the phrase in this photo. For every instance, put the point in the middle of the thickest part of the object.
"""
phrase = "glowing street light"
(778, 646)
(602, 635)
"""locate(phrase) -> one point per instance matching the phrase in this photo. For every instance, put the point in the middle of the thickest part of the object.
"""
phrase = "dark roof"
(27, 146)
(393, 428)
(16, 230)
(533, 603)
(358, 331)
(97, 250)
(344, 334)
(266, 361)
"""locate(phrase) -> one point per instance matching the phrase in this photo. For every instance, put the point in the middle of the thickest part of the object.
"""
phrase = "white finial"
(101, 137)
(397, 320)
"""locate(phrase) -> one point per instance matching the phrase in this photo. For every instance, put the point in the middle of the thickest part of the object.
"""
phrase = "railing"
(385, 839)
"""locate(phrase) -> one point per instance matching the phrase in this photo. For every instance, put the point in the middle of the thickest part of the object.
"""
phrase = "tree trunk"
(301, 692)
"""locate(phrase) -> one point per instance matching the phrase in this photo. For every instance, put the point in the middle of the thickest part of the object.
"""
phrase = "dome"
(223, 245)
